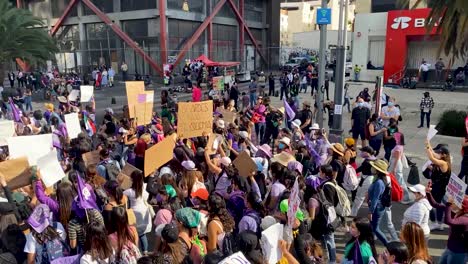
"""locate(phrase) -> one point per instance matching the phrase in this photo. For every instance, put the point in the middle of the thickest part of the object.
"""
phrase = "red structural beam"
(123, 35)
(62, 18)
(246, 28)
(210, 40)
(241, 32)
(191, 41)
(162, 30)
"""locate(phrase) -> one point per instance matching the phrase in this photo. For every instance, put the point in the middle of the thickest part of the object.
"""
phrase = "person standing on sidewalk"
(111, 74)
(124, 69)
(357, 71)
(426, 105)
(252, 92)
(271, 84)
(261, 84)
(439, 66)
(424, 70)
(11, 78)
(359, 119)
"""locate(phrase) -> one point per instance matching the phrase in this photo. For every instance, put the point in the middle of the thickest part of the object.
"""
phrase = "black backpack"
(326, 221)
(112, 171)
(230, 244)
(386, 197)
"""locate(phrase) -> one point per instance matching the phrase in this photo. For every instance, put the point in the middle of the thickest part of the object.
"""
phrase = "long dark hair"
(399, 250)
(97, 244)
(113, 188)
(120, 220)
(217, 208)
(366, 235)
(257, 206)
(137, 182)
(65, 196)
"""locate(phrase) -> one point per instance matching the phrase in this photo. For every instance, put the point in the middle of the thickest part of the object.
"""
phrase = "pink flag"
(466, 124)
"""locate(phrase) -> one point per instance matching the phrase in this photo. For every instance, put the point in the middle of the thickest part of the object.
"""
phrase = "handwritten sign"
(13, 169)
(218, 83)
(91, 158)
(245, 164)
(456, 189)
(195, 119)
(73, 96)
(86, 93)
(144, 108)
(159, 154)
(7, 129)
(293, 206)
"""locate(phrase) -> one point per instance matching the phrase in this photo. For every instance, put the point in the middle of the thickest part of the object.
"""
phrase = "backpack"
(386, 197)
(326, 220)
(258, 221)
(52, 250)
(344, 206)
(397, 191)
(350, 180)
(112, 171)
(230, 245)
(413, 175)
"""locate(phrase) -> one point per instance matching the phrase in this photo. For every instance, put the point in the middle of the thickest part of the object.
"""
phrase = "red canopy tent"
(209, 62)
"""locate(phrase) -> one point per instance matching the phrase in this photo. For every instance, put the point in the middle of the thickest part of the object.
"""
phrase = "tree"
(22, 36)
(452, 19)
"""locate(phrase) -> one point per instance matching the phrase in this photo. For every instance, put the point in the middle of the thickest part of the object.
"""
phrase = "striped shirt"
(76, 226)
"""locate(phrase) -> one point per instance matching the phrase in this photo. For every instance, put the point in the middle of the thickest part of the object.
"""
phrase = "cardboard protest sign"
(51, 170)
(91, 158)
(32, 147)
(228, 116)
(218, 83)
(124, 176)
(12, 168)
(159, 154)
(144, 108)
(195, 119)
(7, 129)
(214, 140)
(133, 90)
(269, 243)
(86, 93)
(456, 189)
(245, 164)
(73, 125)
(73, 96)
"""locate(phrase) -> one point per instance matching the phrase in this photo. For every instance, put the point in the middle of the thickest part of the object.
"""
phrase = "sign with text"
(133, 90)
(323, 16)
(195, 119)
(144, 108)
(218, 83)
(456, 189)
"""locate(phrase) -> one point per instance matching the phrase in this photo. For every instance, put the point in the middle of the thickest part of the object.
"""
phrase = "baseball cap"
(418, 188)
(201, 194)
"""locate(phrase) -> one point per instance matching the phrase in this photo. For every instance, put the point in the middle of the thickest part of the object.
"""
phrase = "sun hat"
(170, 233)
(201, 193)
(281, 110)
(283, 158)
(226, 161)
(338, 148)
(62, 99)
(315, 126)
(189, 217)
(109, 110)
(170, 190)
(349, 142)
(40, 218)
(284, 205)
(188, 165)
(243, 134)
(286, 141)
(295, 166)
(380, 165)
(165, 170)
(267, 221)
(296, 123)
(163, 216)
(418, 188)
(220, 123)
(306, 103)
(49, 106)
(265, 149)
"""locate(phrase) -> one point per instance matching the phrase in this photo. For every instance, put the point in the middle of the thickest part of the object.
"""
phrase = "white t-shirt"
(31, 243)
(87, 259)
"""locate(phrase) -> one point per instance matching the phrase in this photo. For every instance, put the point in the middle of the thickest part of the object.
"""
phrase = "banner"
(245, 164)
(133, 90)
(73, 125)
(195, 119)
(218, 83)
(7, 129)
(91, 158)
(456, 189)
(50, 168)
(86, 93)
(159, 154)
(33, 147)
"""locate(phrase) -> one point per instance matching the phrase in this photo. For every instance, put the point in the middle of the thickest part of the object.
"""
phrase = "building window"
(224, 43)
(106, 6)
(130, 5)
(387, 5)
(59, 6)
(179, 31)
(193, 5)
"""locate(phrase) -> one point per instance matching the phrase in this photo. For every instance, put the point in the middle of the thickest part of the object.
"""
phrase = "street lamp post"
(321, 70)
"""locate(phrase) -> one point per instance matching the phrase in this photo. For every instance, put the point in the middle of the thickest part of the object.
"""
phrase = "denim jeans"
(356, 76)
(376, 145)
(428, 118)
(260, 131)
(449, 257)
(143, 243)
(387, 224)
(361, 195)
(28, 103)
(377, 217)
(328, 242)
(253, 99)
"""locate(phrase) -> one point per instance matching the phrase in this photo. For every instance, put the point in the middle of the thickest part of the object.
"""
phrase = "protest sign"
(73, 125)
(245, 164)
(228, 116)
(144, 108)
(293, 205)
(133, 90)
(50, 168)
(195, 119)
(91, 158)
(124, 176)
(466, 124)
(159, 154)
(269, 243)
(431, 132)
(456, 189)
(12, 168)
(218, 83)
(86, 93)
(73, 96)
(32, 147)
(236, 258)
(7, 129)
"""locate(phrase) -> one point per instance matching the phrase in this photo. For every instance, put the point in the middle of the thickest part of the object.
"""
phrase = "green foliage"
(23, 36)
(452, 123)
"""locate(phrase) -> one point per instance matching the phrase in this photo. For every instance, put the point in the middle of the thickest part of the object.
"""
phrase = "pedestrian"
(398, 162)
(426, 106)
(271, 85)
(395, 252)
(28, 98)
(305, 116)
(357, 71)
(347, 98)
(389, 141)
(389, 112)
(424, 70)
(376, 132)
(303, 83)
(284, 86)
(111, 74)
(366, 179)
(314, 83)
(196, 94)
(359, 119)
(419, 211)
(97, 247)
(439, 67)
(413, 236)
(11, 78)
(261, 84)
(327, 88)
(104, 78)
(220, 222)
(124, 239)
(124, 69)
(245, 101)
(252, 92)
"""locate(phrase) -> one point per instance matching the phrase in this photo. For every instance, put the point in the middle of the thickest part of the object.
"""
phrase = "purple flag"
(86, 199)
(289, 112)
(15, 111)
(313, 153)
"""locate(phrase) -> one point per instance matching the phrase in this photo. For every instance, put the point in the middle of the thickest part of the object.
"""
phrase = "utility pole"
(337, 129)
(321, 70)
